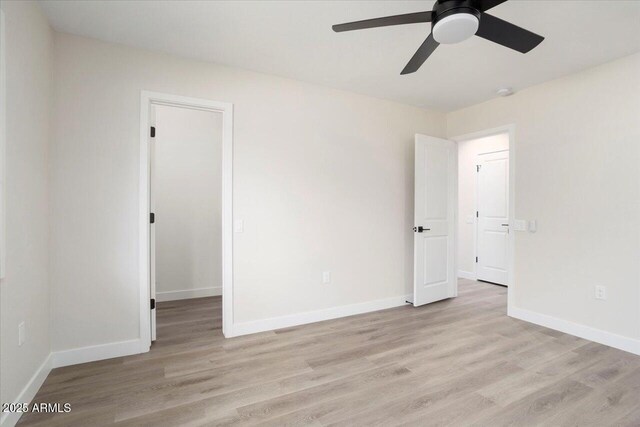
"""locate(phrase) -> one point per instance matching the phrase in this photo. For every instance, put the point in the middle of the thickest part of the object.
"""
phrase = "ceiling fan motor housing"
(454, 20)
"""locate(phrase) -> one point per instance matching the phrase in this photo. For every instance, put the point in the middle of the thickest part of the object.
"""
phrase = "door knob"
(420, 229)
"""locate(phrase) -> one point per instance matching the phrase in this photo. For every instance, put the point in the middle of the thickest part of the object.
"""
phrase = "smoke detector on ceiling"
(504, 91)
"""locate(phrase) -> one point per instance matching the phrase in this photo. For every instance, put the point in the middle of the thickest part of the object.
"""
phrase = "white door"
(435, 212)
(152, 225)
(493, 217)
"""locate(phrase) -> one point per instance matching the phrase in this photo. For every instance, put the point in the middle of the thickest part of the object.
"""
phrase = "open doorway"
(484, 228)
(180, 279)
(463, 187)
(186, 232)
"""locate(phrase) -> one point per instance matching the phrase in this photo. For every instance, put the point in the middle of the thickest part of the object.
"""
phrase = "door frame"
(147, 100)
(509, 129)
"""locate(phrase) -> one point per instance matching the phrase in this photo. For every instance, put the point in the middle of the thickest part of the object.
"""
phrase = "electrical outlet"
(601, 292)
(326, 277)
(21, 334)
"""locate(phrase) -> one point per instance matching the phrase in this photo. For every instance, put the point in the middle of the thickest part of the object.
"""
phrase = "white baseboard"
(188, 293)
(592, 334)
(28, 392)
(280, 322)
(74, 356)
(467, 275)
(97, 352)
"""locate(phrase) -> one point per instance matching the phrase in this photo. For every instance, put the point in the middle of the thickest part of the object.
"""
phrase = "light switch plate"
(520, 225)
(21, 334)
(326, 277)
(533, 226)
(238, 226)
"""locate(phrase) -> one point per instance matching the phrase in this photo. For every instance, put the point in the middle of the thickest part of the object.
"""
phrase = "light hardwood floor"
(456, 362)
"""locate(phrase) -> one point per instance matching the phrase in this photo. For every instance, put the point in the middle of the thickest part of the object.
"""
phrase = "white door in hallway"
(434, 219)
(493, 217)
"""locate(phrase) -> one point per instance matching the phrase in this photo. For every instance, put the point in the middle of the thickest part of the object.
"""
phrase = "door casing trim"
(509, 129)
(147, 99)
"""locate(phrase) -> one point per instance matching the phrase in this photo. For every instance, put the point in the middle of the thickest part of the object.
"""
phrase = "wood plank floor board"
(457, 362)
(618, 397)
(516, 387)
(541, 406)
(361, 400)
(632, 419)
(463, 411)
(422, 397)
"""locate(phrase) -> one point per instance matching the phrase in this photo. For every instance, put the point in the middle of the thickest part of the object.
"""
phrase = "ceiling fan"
(453, 21)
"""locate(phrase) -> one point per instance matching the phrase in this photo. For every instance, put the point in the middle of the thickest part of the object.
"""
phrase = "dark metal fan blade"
(488, 4)
(421, 55)
(409, 18)
(507, 34)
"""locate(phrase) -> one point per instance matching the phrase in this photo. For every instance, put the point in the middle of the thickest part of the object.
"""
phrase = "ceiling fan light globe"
(455, 28)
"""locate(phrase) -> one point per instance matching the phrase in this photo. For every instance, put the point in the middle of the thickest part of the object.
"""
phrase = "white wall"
(577, 153)
(323, 180)
(188, 203)
(24, 293)
(468, 152)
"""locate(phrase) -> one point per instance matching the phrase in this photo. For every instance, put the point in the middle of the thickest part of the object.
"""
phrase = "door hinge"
(153, 132)
(477, 214)
(478, 168)
(476, 259)
(153, 303)
(152, 218)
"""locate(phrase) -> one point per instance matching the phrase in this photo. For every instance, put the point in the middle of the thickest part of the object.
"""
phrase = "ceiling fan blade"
(507, 34)
(488, 4)
(424, 51)
(409, 18)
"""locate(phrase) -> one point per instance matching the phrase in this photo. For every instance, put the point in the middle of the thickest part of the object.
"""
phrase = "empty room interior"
(354, 213)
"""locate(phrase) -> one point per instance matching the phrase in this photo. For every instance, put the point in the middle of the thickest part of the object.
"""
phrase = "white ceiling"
(294, 39)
